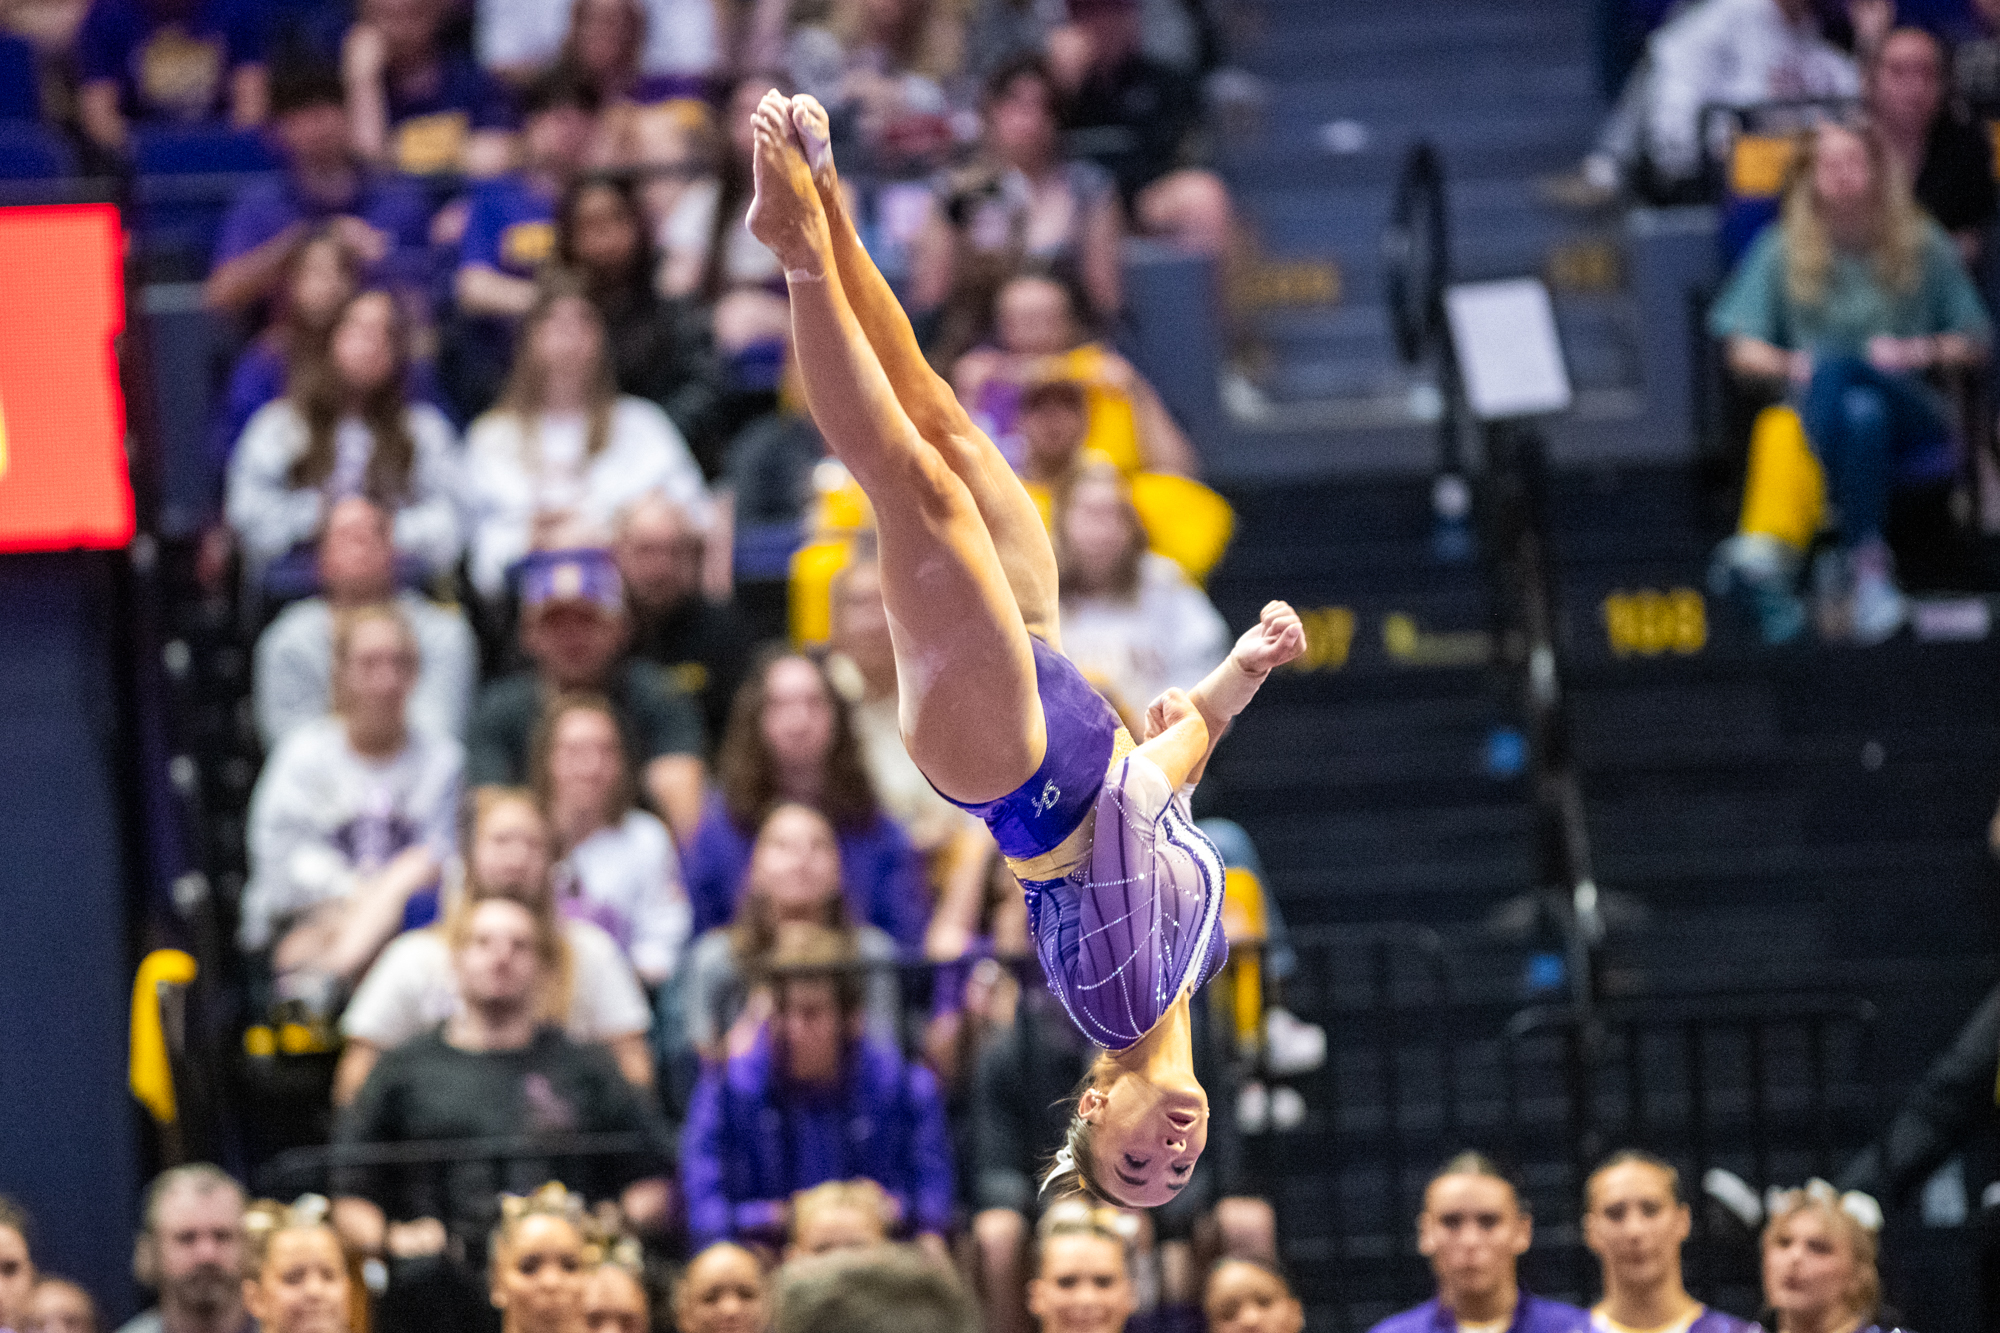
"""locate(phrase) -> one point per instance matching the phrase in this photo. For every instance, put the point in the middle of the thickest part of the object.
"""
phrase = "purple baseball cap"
(584, 575)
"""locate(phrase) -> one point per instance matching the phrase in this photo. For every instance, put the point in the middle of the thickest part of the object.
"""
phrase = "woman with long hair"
(588, 988)
(791, 739)
(1124, 894)
(618, 867)
(1819, 1266)
(346, 427)
(1846, 305)
(320, 276)
(562, 452)
(351, 820)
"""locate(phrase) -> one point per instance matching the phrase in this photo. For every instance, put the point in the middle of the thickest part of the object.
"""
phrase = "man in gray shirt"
(191, 1252)
(293, 679)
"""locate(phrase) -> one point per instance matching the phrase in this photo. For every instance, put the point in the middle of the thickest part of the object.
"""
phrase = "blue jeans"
(1866, 425)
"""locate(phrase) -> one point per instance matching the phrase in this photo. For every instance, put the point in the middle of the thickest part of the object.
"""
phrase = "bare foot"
(815, 132)
(785, 213)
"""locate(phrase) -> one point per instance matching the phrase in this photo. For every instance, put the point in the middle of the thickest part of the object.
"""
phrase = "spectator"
(704, 645)
(790, 739)
(574, 630)
(415, 105)
(1949, 162)
(609, 47)
(492, 1070)
(1138, 119)
(1819, 1265)
(880, 70)
(1131, 621)
(1635, 1222)
(167, 61)
(292, 683)
(1083, 1278)
(708, 246)
(346, 427)
(619, 869)
(351, 820)
(1975, 61)
(1018, 1108)
(191, 1253)
(17, 1268)
(298, 1280)
(772, 460)
(1022, 201)
(615, 1301)
(793, 885)
(1848, 301)
(722, 1290)
(814, 1099)
(957, 847)
(678, 38)
(588, 987)
(1039, 334)
(1474, 1230)
(657, 347)
(1246, 1296)
(320, 276)
(838, 1215)
(510, 229)
(380, 223)
(563, 452)
(892, 1289)
(57, 1305)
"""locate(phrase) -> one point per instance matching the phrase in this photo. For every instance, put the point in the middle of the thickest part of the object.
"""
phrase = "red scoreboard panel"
(63, 479)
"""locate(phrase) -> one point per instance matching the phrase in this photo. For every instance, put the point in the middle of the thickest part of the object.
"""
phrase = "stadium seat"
(30, 150)
(20, 80)
(186, 178)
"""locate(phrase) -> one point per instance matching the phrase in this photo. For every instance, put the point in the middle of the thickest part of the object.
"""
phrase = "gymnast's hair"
(1074, 1168)
(1636, 1157)
(1472, 1162)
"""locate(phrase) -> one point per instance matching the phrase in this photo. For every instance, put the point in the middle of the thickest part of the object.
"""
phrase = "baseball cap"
(583, 575)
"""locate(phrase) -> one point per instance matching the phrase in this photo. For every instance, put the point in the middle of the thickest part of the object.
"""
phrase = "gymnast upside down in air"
(1124, 894)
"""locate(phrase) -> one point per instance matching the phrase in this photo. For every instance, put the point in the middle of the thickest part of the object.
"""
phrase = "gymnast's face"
(1147, 1135)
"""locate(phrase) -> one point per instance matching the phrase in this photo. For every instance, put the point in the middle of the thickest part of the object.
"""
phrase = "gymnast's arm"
(1274, 640)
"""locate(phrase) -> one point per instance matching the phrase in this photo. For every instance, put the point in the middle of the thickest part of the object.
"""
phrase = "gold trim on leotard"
(1074, 850)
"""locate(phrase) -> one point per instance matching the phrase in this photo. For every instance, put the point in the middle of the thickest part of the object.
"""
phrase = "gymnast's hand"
(1171, 707)
(1274, 640)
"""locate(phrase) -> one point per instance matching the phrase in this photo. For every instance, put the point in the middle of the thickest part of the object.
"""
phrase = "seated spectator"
(1039, 334)
(790, 740)
(1847, 303)
(1021, 201)
(57, 1305)
(190, 1252)
(1131, 621)
(704, 645)
(1247, 1296)
(588, 987)
(562, 452)
(794, 886)
(167, 62)
(492, 1070)
(956, 846)
(17, 1267)
(1735, 53)
(1018, 1109)
(321, 275)
(618, 865)
(609, 47)
(1635, 1222)
(346, 427)
(838, 1215)
(658, 348)
(1474, 1230)
(1948, 160)
(1082, 1279)
(574, 631)
(380, 222)
(299, 1276)
(615, 1300)
(292, 680)
(1138, 119)
(880, 70)
(351, 820)
(707, 242)
(814, 1099)
(722, 1290)
(510, 226)
(672, 43)
(1819, 1265)
(415, 105)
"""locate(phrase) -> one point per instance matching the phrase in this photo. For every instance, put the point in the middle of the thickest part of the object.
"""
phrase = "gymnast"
(1124, 895)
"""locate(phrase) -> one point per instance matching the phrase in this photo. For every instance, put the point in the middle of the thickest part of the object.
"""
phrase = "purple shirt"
(509, 226)
(1711, 1320)
(1532, 1314)
(171, 60)
(751, 1142)
(264, 208)
(880, 873)
(457, 84)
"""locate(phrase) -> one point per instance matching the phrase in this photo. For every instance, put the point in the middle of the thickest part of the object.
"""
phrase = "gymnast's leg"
(965, 673)
(1011, 517)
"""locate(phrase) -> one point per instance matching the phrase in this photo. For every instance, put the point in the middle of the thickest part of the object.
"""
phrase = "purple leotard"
(1137, 918)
